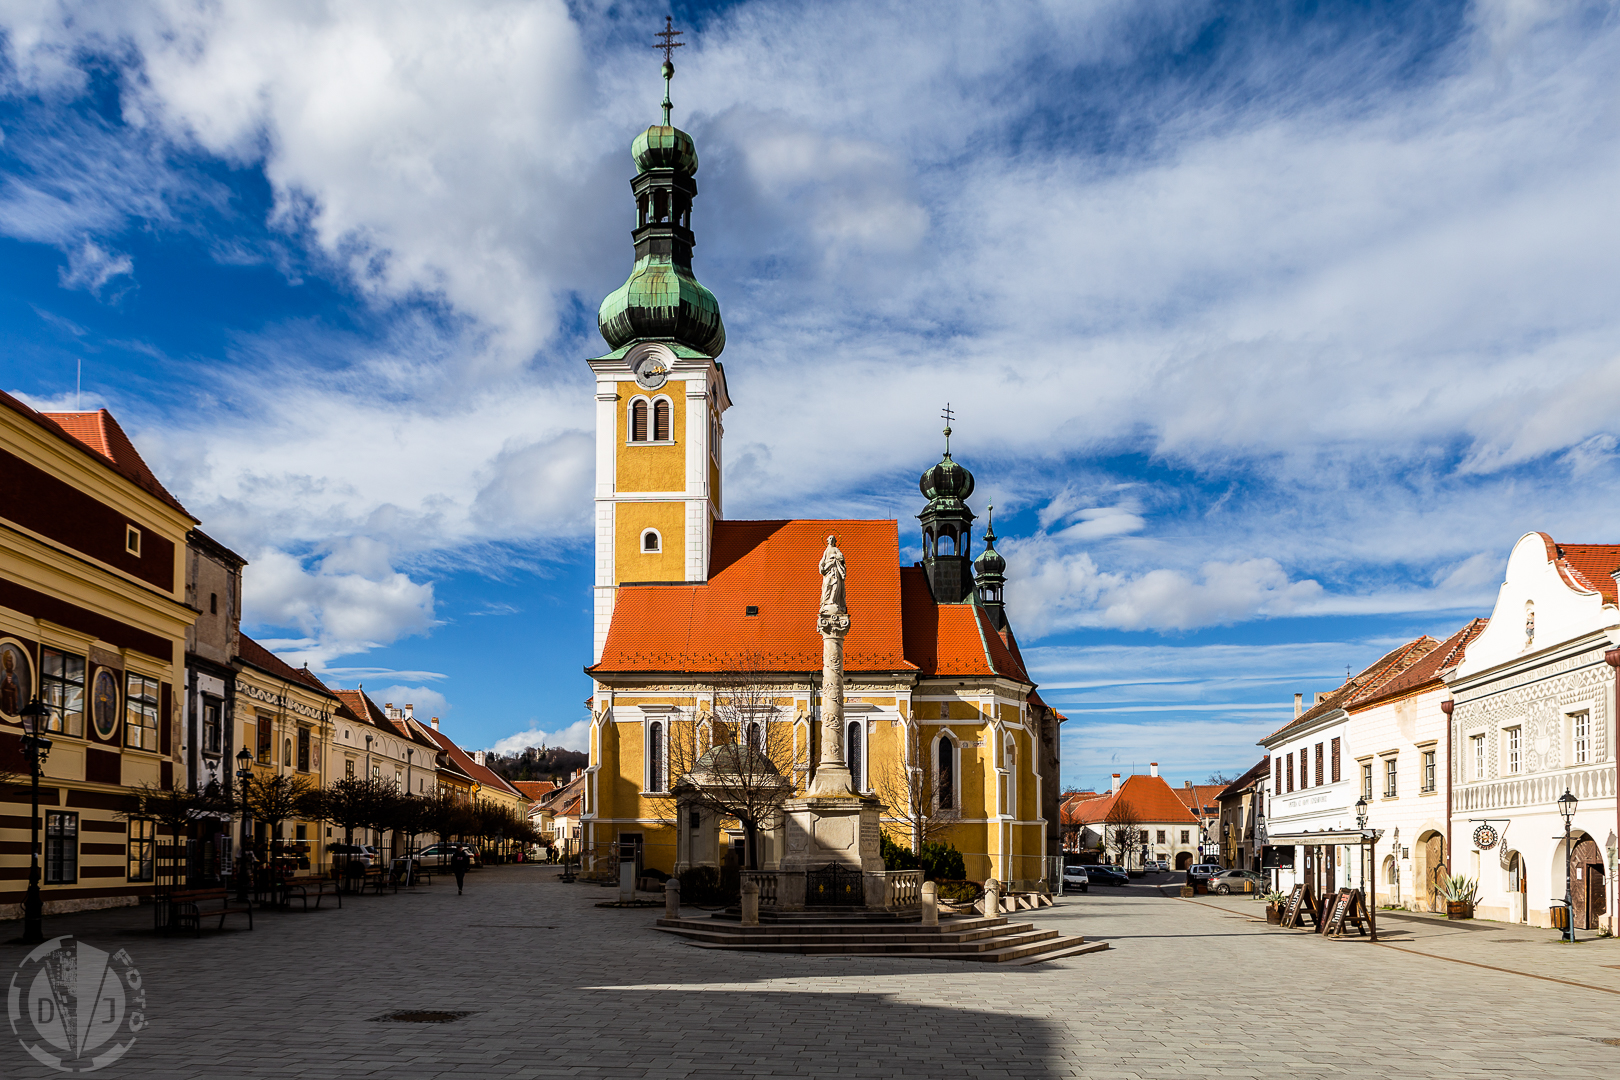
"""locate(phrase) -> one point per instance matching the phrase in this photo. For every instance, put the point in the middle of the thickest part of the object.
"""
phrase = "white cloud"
(576, 736)
(90, 267)
(340, 613)
(426, 702)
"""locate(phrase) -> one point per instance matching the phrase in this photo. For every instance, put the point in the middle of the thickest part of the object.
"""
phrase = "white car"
(1075, 879)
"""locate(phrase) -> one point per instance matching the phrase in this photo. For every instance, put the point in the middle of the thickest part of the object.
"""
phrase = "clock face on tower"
(651, 367)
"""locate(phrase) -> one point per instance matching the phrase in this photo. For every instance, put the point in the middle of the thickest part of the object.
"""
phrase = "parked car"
(1075, 879)
(1158, 866)
(364, 854)
(1107, 875)
(442, 853)
(1204, 870)
(1230, 881)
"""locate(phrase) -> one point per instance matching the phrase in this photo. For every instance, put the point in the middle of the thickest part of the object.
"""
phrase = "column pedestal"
(836, 829)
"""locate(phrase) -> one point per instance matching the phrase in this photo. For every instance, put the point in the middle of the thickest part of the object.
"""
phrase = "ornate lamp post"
(244, 773)
(1566, 807)
(37, 748)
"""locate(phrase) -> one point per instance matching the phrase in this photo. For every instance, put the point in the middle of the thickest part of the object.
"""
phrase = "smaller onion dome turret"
(990, 575)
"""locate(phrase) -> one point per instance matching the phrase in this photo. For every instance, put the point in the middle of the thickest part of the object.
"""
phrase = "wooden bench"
(298, 889)
(186, 909)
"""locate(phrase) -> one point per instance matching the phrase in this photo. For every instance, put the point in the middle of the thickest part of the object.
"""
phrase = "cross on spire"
(669, 34)
(947, 416)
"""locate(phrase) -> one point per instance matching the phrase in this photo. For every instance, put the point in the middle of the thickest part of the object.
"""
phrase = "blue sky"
(1269, 327)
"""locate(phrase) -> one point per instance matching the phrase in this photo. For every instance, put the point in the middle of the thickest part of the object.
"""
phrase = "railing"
(766, 880)
(902, 888)
(1542, 789)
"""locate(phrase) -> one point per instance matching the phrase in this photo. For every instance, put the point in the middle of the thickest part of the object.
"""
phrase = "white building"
(1316, 780)
(1533, 717)
(1398, 736)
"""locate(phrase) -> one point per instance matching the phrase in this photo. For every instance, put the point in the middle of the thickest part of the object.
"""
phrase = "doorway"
(1518, 888)
(1184, 860)
(1586, 884)
(1431, 870)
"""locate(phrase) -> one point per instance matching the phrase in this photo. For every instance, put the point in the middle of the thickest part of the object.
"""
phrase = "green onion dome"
(664, 147)
(946, 481)
(662, 300)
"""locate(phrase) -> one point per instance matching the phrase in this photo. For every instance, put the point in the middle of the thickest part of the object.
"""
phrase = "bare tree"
(1124, 830)
(176, 809)
(735, 761)
(275, 800)
(911, 793)
(1221, 778)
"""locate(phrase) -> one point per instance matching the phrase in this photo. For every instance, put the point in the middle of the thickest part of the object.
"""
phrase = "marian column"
(831, 773)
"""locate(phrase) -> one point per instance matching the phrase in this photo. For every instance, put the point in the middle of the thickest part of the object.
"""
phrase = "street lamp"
(37, 748)
(1566, 807)
(244, 773)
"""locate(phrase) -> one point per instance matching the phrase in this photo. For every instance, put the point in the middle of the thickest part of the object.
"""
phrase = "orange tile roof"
(115, 451)
(533, 789)
(771, 565)
(1149, 797)
(481, 773)
(1587, 567)
(1199, 795)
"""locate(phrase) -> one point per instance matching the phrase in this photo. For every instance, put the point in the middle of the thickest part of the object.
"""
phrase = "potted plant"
(1274, 905)
(1460, 893)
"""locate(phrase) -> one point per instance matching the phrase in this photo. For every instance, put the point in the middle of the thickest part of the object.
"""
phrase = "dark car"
(1230, 881)
(1107, 875)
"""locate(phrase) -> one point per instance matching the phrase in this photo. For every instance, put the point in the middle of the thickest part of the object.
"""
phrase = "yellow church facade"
(705, 630)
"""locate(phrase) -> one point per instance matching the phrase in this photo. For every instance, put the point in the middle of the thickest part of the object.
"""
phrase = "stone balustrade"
(902, 888)
(766, 880)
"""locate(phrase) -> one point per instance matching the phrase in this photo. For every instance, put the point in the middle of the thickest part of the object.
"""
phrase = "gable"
(1562, 585)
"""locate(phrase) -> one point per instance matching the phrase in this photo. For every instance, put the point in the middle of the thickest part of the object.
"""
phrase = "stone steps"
(985, 940)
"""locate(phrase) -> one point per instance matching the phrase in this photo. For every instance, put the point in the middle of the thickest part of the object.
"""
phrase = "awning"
(1330, 837)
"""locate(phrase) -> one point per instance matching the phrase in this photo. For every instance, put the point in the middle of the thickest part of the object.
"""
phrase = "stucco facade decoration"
(1533, 716)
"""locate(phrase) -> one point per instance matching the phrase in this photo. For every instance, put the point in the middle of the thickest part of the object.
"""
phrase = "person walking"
(458, 866)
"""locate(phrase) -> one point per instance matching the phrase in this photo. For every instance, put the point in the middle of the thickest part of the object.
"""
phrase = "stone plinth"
(821, 830)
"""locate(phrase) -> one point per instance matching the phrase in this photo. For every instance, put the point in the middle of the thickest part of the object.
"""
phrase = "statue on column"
(833, 573)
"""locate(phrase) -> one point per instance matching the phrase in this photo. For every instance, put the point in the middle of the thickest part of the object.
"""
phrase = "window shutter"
(661, 421)
(1335, 761)
(1318, 764)
(638, 422)
(1290, 772)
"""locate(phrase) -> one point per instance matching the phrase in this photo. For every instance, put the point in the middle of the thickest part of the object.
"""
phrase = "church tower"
(660, 391)
(947, 527)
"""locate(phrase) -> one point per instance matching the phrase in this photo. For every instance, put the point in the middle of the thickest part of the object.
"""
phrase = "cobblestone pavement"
(559, 988)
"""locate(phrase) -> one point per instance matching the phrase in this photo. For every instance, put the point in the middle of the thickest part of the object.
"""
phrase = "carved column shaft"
(832, 774)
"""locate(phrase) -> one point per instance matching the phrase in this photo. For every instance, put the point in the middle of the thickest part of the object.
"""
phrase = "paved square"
(559, 988)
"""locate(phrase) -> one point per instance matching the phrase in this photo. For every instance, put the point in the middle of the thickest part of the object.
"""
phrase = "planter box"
(1273, 914)
(1186, 890)
(1457, 909)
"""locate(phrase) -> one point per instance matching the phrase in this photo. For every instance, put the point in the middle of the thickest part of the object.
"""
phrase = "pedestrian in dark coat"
(458, 866)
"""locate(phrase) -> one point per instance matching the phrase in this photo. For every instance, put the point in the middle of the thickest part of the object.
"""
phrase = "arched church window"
(755, 735)
(638, 421)
(651, 541)
(945, 771)
(661, 420)
(852, 755)
(655, 756)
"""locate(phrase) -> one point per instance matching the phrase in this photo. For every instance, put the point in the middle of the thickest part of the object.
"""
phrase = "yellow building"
(942, 720)
(93, 622)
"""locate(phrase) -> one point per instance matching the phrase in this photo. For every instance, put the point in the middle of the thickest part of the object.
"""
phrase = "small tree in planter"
(1460, 893)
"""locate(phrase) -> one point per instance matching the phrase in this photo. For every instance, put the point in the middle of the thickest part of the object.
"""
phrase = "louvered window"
(638, 422)
(1279, 787)
(1335, 761)
(1290, 772)
(660, 421)
(1318, 764)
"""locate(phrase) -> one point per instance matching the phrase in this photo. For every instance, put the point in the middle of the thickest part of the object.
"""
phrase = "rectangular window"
(140, 712)
(1279, 787)
(1318, 764)
(1515, 747)
(1336, 776)
(1389, 778)
(655, 756)
(348, 768)
(303, 832)
(1428, 770)
(61, 847)
(303, 749)
(1304, 769)
(62, 686)
(1582, 723)
(132, 540)
(1290, 772)
(1479, 756)
(262, 743)
(1161, 836)
(212, 732)
(142, 837)
(1366, 781)
(1184, 835)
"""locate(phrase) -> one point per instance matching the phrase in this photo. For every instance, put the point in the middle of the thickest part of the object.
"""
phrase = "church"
(699, 618)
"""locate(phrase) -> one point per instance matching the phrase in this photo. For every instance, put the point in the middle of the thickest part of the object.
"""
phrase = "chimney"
(1115, 790)
(1186, 784)
(410, 712)
(1153, 768)
(435, 723)
(1299, 706)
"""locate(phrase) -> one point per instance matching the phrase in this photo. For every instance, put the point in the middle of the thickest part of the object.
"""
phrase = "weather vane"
(947, 416)
(668, 46)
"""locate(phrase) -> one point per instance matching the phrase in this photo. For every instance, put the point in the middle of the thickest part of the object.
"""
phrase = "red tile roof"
(1149, 797)
(1258, 771)
(771, 566)
(481, 773)
(1587, 567)
(251, 652)
(1376, 675)
(533, 789)
(1426, 672)
(1199, 795)
(115, 451)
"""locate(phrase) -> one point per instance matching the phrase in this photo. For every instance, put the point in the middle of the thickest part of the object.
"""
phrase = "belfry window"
(661, 421)
(638, 421)
(651, 541)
